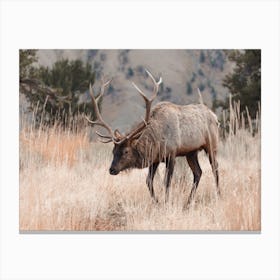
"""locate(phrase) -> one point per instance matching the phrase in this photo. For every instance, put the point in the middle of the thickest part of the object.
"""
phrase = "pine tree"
(245, 82)
(54, 94)
(26, 59)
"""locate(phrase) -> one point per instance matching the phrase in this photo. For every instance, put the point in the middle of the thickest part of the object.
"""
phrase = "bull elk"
(168, 131)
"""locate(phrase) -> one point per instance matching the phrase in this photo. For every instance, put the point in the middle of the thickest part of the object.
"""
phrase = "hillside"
(182, 72)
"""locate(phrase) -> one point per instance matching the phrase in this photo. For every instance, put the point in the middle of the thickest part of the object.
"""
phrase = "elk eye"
(126, 152)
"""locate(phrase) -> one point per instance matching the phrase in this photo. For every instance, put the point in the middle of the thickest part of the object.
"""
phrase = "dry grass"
(65, 185)
(55, 145)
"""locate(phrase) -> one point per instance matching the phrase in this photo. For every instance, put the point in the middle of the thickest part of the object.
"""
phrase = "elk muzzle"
(113, 171)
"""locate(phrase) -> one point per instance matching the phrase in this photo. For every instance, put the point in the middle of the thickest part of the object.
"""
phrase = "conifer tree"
(56, 94)
(245, 82)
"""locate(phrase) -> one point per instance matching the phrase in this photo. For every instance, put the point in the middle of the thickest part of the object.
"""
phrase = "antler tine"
(105, 141)
(103, 136)
(156, 84)
(99, 120)
(140, 91)
(103, 88)
(149, 101)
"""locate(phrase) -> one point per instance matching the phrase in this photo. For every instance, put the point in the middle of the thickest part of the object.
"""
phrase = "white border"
(158, 24)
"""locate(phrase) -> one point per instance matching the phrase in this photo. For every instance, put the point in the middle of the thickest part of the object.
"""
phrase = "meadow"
(65, 184)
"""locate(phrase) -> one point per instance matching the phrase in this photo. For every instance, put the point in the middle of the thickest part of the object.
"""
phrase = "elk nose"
(113, 171)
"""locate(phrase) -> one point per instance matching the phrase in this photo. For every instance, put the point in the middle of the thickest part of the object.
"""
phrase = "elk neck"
(146, 148)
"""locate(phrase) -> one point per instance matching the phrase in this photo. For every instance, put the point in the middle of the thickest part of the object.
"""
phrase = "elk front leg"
(150, 179)
(194, 165)
(170, 163)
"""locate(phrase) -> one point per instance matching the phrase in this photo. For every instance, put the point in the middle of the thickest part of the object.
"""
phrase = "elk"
(168, 131)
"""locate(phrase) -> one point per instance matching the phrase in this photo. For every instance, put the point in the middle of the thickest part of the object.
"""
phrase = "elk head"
(125, 153)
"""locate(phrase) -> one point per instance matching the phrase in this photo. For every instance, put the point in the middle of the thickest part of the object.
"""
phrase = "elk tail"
(200, 96)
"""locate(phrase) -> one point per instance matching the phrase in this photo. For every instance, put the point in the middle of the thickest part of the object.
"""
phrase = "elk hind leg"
(214, 164)
(195, 167)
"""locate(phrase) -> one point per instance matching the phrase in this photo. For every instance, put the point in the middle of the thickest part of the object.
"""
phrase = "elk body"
(168, 131)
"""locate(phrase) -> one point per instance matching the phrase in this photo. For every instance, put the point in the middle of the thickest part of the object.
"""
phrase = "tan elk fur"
(177, 130)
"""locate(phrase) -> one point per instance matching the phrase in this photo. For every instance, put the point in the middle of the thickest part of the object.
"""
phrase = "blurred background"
(54, 83)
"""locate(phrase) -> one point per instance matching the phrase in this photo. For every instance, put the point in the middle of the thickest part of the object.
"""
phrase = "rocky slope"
(182, 72)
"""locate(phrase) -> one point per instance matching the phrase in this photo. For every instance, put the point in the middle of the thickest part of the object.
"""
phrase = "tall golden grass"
(65, 185)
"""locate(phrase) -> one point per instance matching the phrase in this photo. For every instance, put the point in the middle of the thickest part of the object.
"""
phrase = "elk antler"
(148, 103)
(99, 121)
(116, 136)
